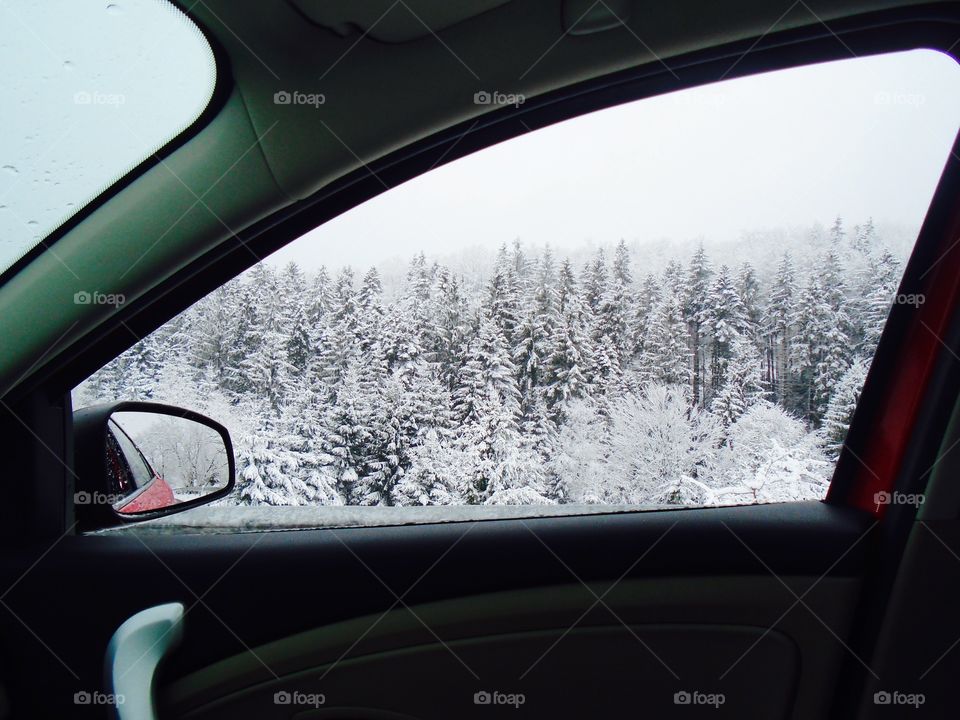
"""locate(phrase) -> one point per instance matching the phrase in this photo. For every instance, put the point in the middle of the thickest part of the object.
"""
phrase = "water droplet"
(32, 223)
(11, 169)
(67, 65)
(114, 9)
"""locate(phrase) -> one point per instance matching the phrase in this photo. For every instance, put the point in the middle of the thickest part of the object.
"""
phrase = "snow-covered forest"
(535, 380)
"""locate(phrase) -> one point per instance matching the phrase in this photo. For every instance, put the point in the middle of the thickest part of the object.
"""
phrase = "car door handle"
(134, 652)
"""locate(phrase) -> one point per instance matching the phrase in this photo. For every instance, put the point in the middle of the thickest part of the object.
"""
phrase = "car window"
(140, 471)
(672, 302)
(90, 100)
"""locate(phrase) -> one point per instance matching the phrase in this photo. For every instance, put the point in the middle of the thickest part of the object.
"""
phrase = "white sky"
(858, 138)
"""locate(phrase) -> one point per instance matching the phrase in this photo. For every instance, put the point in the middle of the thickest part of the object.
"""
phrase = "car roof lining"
(390, 21)
(253, 158)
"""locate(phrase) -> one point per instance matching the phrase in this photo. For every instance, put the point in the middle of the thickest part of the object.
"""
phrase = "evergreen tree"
(665, 355)
(842, 404)
(725, 321)
(695, 307)
(778, 330)
(564, 377)
(885, 279)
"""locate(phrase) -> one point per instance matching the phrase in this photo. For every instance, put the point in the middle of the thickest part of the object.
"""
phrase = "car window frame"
(880, 32)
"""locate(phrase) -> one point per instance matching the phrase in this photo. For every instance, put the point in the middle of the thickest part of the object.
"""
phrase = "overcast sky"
(857, 138)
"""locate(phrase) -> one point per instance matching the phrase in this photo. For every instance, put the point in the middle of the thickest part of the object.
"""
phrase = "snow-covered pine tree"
(503, 295)
(885, 279)
(617, 307)
(452, 328)
(724, 319)
(778, 331)
(742, 384)
(595, 281)
(487, 404)
(695, 305)
(647, 300)
(369, 311)
(836, 420)
(564, 378)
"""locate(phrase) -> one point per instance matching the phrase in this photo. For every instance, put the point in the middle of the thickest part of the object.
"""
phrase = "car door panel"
(732, 567)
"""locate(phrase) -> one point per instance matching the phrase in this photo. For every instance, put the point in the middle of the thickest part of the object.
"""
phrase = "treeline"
(555, 383)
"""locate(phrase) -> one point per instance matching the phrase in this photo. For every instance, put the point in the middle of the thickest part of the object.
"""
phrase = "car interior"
(841, 608)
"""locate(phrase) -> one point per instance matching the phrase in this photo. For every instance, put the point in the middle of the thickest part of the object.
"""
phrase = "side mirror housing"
(138, 461)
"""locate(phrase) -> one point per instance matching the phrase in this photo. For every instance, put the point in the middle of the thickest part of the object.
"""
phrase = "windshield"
(91, 99)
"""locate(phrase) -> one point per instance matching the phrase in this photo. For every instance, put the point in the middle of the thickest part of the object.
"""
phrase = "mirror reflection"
(155, 461)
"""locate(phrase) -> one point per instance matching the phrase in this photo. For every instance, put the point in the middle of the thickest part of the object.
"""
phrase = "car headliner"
(386, 85)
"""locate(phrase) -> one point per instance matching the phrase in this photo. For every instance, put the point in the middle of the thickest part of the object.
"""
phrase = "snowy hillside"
(535, 382)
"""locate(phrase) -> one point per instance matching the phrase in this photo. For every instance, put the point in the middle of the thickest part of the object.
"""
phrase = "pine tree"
(621, 265)
(647, 300)
(595, 282)
(321, 298)
(616, 308)
(885, 274)
(503, 298)
(452, 330)
(748, 288)
(843, 402)
(487, 404)
(300, 342)
(694, 308)
(345, 434)
(742, 384)
(266, 371)
(778, 330)
(564, 377)
(724, 320)
(369, 310)
(665, 355)
(488, 375)
(569, 302)
(819, 351)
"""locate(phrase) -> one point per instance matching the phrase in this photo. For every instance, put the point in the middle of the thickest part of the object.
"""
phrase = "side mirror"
(138, 461)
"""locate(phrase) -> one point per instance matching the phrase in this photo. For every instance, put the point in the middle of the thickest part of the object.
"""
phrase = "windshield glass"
(91, 99)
